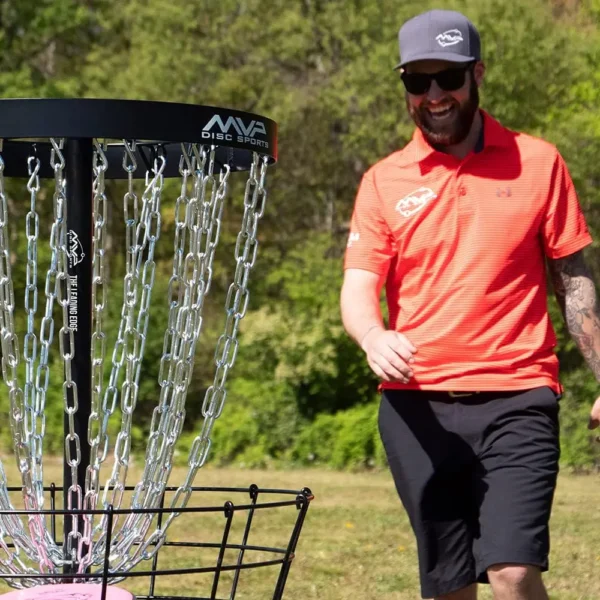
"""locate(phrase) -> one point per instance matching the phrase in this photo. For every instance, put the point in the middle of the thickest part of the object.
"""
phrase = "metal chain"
(151, 488)
(27, 411)
(100, 206)
(12, 526)
(235, 307)
(67, 349)
(113, 495)
(187, 289)
(197, 228)
(102, 411)
(9, 341)
(131, 338)
(178, 297)
(35, 420)
(135, 525)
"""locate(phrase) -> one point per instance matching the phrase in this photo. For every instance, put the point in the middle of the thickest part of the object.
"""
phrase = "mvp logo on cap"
(449, 38)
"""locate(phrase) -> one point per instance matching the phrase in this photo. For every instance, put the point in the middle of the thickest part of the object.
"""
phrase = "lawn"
(356, 542)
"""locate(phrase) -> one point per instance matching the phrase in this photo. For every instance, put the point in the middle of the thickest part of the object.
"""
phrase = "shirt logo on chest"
(415, 201)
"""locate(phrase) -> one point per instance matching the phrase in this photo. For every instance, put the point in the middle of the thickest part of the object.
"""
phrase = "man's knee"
(513, 577)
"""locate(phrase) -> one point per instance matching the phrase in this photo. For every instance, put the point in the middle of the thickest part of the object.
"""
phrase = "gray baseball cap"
(441, 35)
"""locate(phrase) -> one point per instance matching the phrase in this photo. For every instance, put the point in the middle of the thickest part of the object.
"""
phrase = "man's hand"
(595, 415)
(390, 355)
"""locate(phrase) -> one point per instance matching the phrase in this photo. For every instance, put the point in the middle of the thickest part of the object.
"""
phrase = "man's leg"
(517, 582)
(431, 466)
(468, 593)
(518, 468)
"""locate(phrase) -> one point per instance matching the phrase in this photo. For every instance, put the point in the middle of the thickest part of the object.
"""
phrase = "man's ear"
(479, 72)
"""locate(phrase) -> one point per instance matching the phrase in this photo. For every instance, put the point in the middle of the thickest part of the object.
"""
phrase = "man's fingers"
(391, 356)
(378, 371)
(389, 369)
(399, 350)
(396, 362)
(406, 342)
(396, 370)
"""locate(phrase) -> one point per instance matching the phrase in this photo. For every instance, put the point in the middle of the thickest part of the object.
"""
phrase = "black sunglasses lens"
(448, 80)
(451, 79)
(416, 83)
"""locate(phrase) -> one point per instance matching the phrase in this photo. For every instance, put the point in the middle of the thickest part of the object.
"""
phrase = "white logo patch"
(353, 237)
(415, 201)
(449, 38)
(238, 125)
(75, 249)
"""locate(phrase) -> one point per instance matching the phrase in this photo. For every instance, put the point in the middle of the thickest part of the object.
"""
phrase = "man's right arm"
(389, 353)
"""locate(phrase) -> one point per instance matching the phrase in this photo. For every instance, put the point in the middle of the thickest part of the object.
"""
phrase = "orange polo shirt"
(462, 243)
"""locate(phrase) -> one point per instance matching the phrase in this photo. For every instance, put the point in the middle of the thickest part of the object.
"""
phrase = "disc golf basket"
(77, 539)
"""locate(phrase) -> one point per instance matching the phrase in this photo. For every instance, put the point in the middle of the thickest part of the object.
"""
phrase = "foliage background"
(300, 392)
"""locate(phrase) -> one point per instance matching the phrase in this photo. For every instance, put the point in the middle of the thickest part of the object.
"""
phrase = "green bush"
(579, 449)
(348, 439)
(258, 424)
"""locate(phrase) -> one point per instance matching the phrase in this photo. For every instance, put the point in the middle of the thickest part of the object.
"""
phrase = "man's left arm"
(577, 298)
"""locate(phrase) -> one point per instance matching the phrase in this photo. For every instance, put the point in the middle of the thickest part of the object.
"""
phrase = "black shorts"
(476, 476)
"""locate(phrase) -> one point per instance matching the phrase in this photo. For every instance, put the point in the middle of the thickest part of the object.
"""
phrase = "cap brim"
(447, 56)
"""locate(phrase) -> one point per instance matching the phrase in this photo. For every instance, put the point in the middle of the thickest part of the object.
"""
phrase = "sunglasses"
(448, 80)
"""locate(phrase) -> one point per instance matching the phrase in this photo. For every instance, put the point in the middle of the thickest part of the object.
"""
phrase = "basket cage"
(96, 527)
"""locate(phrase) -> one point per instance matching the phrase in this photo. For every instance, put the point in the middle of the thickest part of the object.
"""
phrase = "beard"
(453, 130)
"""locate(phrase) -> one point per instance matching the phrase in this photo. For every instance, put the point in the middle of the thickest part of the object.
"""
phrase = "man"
(458, 225)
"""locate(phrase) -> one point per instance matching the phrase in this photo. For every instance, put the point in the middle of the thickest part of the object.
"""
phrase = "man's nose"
(435, 93)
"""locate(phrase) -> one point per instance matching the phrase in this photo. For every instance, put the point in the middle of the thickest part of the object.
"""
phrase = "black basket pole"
(79, 154)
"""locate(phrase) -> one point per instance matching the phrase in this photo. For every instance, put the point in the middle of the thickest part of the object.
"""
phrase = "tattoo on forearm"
(576, 294)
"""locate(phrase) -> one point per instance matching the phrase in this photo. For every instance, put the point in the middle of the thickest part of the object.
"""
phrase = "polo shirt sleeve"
(370, 242)
(564, 229)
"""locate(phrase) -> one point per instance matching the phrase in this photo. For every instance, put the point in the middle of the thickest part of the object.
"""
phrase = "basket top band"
(143, 121)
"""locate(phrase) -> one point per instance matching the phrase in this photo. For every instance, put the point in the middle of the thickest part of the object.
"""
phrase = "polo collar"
(494, 135)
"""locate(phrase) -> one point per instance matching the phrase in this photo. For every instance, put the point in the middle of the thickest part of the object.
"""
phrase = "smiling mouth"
(441, 114)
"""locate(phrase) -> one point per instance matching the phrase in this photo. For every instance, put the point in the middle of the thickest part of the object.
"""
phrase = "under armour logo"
(503, 192)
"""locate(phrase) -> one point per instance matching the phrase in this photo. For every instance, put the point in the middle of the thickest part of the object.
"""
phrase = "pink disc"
(68, 591)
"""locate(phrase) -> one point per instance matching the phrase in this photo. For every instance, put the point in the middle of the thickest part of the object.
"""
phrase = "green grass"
(356, 542)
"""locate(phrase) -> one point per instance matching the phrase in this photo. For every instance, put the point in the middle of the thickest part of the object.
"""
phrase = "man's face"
(445, 117)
